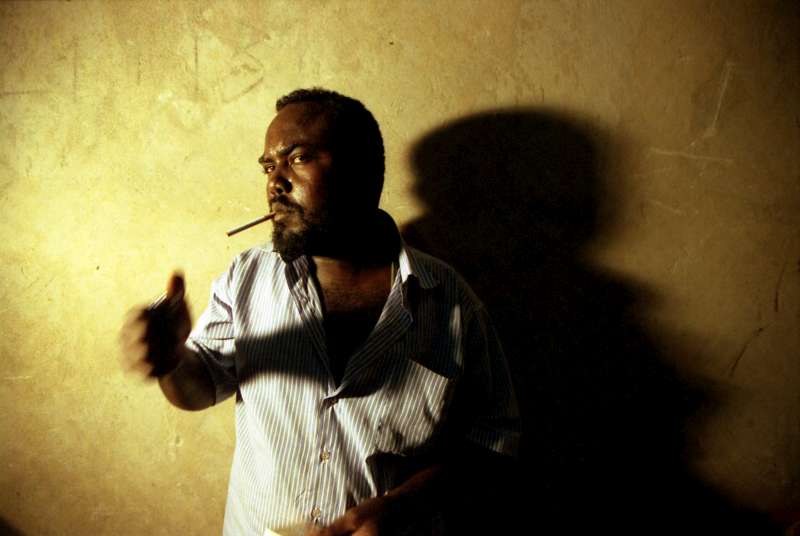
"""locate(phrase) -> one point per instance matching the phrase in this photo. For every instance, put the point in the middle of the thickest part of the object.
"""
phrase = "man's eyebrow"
(263, 159)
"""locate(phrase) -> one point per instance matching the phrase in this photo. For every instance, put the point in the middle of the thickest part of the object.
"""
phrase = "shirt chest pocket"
(412, 411)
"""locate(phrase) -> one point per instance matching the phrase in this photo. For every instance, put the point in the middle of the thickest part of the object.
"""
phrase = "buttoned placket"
(394, 320)
(324, 474)
(309, 305)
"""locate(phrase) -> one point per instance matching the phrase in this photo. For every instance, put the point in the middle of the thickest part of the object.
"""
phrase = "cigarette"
(262, 219)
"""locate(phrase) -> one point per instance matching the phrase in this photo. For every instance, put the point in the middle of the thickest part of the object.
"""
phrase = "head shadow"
(515, 200)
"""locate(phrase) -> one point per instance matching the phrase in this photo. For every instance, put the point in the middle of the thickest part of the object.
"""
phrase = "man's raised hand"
(152, 337)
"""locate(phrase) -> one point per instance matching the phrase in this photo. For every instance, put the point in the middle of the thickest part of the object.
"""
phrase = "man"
(365, 372)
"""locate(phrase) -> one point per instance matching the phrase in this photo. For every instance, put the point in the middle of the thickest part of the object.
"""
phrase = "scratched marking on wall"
(692, 156)
(726, 76)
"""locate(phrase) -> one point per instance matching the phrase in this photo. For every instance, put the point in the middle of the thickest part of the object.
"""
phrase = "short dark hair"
(354, 125)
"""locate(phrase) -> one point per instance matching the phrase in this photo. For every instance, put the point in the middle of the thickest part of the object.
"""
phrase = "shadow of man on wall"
(514, 200)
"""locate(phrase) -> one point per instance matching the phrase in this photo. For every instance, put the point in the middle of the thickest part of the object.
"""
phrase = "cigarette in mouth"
(262, 219)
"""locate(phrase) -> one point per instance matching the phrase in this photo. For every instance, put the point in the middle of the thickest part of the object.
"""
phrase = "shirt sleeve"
(213, 338)
(495, 421)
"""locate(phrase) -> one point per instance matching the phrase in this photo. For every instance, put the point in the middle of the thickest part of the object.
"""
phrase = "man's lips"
(282, 211)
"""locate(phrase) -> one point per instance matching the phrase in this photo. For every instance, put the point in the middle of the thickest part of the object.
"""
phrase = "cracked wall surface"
(131, 136)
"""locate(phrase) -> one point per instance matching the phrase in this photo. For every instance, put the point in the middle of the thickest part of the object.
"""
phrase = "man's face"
(299, 165)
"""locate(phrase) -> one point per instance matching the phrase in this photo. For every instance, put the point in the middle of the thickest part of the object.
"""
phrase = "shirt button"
(325, 456)
(316, 512)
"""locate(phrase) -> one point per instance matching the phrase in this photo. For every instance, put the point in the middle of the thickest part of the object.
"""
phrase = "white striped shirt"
(308, 449)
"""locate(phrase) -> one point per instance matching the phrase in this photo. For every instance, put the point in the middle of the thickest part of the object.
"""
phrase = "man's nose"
(279, 183)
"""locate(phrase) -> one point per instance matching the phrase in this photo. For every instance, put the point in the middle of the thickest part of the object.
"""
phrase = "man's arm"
(152, 344)
(381, 515)
(472, 475)
(189, 386)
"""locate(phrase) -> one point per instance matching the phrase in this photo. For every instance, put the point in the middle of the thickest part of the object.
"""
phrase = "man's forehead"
(301, 115)
(298, 123)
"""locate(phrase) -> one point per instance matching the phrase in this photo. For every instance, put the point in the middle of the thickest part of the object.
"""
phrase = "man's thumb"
(175, 287)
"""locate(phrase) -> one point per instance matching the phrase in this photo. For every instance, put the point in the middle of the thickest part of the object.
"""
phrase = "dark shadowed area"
(514, 198)
(6, 529)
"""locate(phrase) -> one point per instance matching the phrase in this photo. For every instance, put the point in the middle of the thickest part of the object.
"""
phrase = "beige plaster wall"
(130, 136)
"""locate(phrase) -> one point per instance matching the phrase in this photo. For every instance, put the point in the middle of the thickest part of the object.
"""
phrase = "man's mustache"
(283, 204)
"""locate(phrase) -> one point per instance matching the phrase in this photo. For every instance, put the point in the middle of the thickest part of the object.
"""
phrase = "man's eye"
(267, 169)
(300, 158)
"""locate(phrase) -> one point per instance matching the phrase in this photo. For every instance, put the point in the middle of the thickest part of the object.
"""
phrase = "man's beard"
(311, 233)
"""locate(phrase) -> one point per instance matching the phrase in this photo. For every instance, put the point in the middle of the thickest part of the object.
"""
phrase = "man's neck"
(341, 269)
(357, 248)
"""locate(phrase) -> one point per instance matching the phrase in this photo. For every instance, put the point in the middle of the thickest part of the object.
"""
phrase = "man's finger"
(130, 348)
(134, 356)
(176, 287)
(133, 331)
(142, 369)
(367, 529)
(135, 314)
(340, 527)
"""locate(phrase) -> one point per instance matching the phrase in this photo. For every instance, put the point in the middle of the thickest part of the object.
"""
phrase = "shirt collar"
(409, 265)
